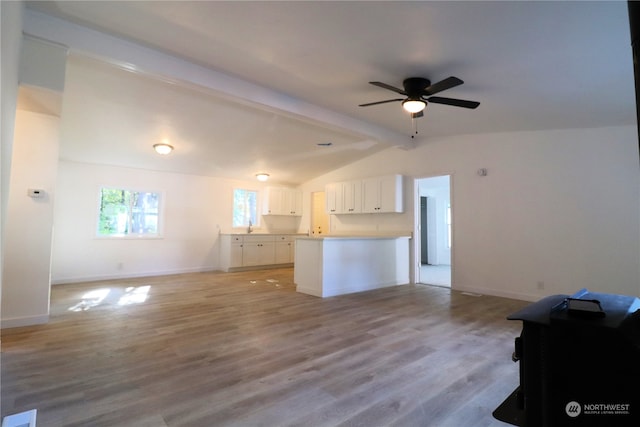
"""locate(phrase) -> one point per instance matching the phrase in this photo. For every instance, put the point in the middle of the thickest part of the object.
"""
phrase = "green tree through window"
(124, 212)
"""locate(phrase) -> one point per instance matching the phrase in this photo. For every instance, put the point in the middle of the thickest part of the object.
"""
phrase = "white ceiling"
(307, 64)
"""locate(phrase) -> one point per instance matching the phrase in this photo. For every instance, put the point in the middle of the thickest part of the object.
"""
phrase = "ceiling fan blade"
(389, 87)
(380, 102)
(445, 84)
(455, 102)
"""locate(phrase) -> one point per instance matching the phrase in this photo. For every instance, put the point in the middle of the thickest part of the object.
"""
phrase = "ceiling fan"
(419, 91)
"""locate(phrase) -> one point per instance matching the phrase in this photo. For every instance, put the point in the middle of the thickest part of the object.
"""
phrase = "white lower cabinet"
(236, 255)
(258, 251)
(285, 250)
(254, 250)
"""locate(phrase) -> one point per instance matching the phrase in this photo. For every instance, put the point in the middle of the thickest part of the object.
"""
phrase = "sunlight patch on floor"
(112, 296)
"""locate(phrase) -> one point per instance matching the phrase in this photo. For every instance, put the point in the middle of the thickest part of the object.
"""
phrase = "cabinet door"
(292, 202)
(333, 194)
(283, 255)
(267, 253)
(296, 202)
(352, 196)
(273, 204)
(258, 253)
(235, 257)
(371, 195)
(390, 194)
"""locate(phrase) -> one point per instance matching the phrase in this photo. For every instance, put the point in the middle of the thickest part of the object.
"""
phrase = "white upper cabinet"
(293, 202)
(333, 197)
(382, 194)
(371, 195)
(282, 201)
(352, 197)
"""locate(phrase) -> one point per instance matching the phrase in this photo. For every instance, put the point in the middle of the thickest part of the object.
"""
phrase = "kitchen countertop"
(264, 234)
(356, 236)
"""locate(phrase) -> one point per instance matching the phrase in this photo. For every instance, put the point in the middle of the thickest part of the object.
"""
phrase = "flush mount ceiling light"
(262, 177)
(163, 148)
(413, 105)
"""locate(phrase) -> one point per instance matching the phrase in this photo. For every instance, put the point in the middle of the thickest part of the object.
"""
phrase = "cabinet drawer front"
(284, 238)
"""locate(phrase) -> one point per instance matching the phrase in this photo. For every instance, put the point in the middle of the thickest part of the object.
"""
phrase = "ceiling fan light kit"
(413, 105)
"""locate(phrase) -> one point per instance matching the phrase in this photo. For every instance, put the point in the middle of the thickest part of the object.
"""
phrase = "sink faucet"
(249, 229)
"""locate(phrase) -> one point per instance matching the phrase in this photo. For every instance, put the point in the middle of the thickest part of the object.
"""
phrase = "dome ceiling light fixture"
(163, 148)
(262, 177)
(413, 105)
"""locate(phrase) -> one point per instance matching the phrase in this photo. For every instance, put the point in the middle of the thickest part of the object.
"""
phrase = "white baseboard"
(309, 291)
(116, 276)
(498, 293)
(17, 322)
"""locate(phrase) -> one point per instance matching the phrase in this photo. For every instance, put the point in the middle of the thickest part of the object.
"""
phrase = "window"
(245, 208)
(128, 213)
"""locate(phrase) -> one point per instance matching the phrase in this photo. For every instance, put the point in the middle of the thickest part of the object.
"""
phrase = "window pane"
(114, 207)
(245, 207)
(124, 212)
(144, 209)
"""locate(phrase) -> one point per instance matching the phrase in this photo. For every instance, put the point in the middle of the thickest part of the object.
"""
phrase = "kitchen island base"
(337, 265)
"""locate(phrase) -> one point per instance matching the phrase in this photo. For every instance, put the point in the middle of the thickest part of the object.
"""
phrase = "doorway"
(319, 216)
(434, 231)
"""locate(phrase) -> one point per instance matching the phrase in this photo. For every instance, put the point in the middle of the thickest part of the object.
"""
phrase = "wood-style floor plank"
(245, 349)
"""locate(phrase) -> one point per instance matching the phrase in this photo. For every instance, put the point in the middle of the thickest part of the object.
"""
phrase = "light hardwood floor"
(245, 349)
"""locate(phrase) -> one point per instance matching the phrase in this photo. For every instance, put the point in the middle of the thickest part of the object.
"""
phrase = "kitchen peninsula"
(335, 265)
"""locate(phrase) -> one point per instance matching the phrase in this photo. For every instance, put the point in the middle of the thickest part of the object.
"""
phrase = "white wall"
(195, 210)
(560, 208)
(11, 39)
(25, 291)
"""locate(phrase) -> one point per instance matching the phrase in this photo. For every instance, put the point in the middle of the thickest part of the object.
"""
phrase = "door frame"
(417, 250)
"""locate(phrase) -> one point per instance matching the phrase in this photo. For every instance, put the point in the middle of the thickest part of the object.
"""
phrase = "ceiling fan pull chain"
(414, 124)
